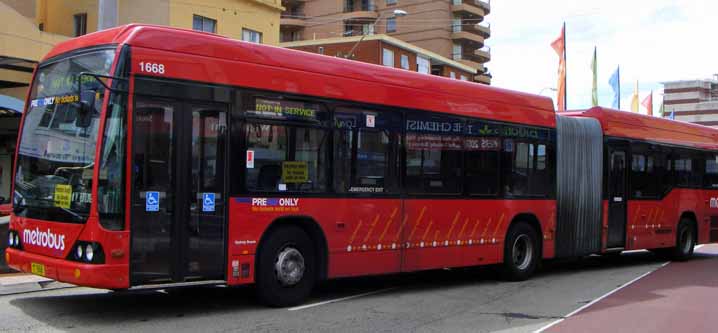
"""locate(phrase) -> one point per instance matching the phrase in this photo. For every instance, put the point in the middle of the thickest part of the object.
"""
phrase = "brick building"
(453, 29)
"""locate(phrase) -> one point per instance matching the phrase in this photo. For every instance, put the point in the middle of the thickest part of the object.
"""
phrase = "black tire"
(685, 241)
(521, 252)
(271, 290)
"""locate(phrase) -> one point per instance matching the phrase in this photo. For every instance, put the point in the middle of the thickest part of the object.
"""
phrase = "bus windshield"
(53, 179)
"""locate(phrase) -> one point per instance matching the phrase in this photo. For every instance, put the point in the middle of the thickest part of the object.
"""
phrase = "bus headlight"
(89, 252)
(13, 240)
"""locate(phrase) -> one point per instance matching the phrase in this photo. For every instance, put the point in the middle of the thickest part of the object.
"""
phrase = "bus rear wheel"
(685, 241)
(286, 267)
(521, 252)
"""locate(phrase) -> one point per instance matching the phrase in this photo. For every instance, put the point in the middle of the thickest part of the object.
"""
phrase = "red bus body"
(361, 235)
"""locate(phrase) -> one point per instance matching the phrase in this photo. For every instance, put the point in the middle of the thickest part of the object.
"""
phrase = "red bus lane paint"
(589, 304)
(308, 167)
(674, 298)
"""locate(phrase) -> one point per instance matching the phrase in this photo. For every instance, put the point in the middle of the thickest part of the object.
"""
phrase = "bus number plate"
(38, 269)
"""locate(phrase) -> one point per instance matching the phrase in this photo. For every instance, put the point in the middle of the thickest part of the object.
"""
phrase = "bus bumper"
(97, 276)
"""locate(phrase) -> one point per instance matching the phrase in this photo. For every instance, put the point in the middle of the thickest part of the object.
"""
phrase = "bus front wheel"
(521, 252)
(286, 268)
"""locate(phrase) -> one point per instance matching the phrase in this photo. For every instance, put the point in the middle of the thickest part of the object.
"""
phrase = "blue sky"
(652, 40)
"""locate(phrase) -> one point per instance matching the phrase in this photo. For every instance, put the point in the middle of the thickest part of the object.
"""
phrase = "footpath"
(679, 297)
(16, 283)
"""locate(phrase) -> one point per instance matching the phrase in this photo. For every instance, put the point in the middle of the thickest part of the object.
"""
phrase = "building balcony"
(483, 78)
(485, 5)
(468, 38)
(292, 21)
(362, 6)
(473, 64)
(467, 8)
(483, 54)
(368, 16)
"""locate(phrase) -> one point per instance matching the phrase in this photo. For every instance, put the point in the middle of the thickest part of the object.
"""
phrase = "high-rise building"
(694, 101)
(453, 29)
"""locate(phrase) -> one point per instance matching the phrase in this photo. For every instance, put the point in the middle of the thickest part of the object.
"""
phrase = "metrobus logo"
(44, 238)
(714, 203)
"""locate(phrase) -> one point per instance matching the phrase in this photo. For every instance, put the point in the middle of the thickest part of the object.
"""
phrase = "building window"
(464, 78)
(321, 50)
(201, 23)
(457, 51)
(391, 24)
(404, 61)
(452, 75)
(423, 65)
(251, 36)
(388, 58)
(456, 24)
(80, 24)
(390, 2)
(367, 29)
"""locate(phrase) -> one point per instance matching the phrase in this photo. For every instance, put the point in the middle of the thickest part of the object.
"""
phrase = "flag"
(615, 82)
(648, 103)
(559, 45)
(634, 99)
(662, 110)
(673, 115)
(594, 90)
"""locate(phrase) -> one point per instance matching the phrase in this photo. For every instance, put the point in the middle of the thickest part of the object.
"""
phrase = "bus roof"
(643, 127)
(351, 80)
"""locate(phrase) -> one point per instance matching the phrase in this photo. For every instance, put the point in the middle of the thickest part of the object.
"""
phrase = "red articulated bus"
(153, 157)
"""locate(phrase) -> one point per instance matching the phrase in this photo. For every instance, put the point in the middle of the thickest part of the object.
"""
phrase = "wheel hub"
(522, 252)
(289, 266)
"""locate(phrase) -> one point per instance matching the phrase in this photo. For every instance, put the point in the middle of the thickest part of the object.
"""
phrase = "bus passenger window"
(286, 158)
(481, 164)
(434, 147)
(711, 176)
(365, 157)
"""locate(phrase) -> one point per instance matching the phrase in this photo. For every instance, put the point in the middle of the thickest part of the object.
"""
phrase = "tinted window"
(481, 165)
(286, 158)
(528, 165)
(647, 167)
(711, 176)
(433, 154)
(365, 151)
(685, 168)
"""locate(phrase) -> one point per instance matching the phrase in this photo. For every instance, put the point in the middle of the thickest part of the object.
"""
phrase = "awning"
(10, 106)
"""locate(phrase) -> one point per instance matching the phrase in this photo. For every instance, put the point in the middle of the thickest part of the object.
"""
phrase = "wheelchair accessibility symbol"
(208, 202)
(152, 201)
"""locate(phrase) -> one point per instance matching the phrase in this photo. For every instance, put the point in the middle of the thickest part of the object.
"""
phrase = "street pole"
(397, 13)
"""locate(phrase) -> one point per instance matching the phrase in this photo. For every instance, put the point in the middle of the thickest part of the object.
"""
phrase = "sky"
(653, 41)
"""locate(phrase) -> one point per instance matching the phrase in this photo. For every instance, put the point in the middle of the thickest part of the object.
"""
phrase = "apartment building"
(694, 101)
(387, 51)
(453, 29)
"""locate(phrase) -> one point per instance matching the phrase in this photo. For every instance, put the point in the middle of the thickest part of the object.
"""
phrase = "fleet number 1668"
(152, 67)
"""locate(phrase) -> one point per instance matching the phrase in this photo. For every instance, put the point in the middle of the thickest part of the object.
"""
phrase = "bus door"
(178, 196)
(617, 194)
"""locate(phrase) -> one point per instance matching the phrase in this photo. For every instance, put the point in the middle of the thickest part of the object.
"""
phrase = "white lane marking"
(698, 246)
(302, 307)
(600, 298)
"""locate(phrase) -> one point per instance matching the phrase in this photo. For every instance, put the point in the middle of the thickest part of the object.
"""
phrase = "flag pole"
(619, 87)
(565, 75)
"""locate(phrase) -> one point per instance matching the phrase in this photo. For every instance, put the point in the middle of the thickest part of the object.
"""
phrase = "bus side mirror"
(85, 108)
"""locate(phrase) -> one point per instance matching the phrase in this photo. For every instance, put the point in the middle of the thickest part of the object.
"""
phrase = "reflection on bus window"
(286, 158)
